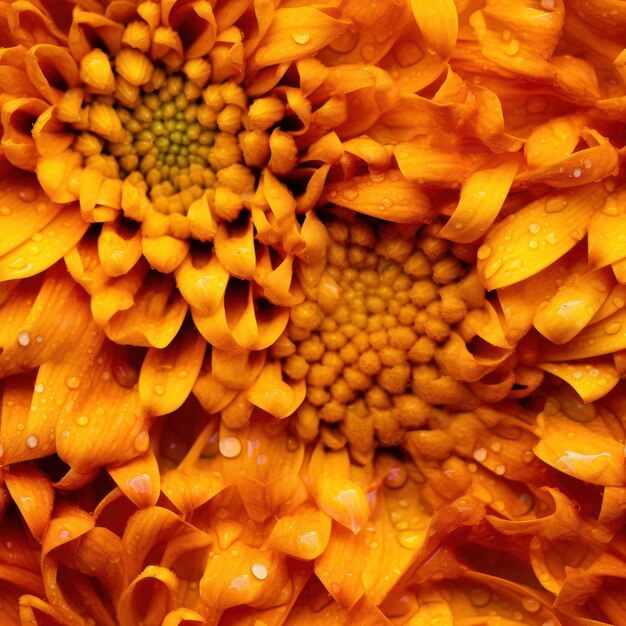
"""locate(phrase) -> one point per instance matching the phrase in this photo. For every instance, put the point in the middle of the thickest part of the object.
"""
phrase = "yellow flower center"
(167, 142)
(367, 339)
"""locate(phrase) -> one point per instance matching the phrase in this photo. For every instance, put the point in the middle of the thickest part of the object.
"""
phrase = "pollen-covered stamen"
(367, 338)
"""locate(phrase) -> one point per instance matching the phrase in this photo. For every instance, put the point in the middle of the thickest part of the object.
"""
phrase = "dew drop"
(83, 420)
(31, 441)
(555, 204)
(484, 252)
(576, 172)
(534, 228)
(72, 382)
(259, 571)
(610, 328)
(230, 447)
(410, 539)
(39, 388)
(159, 390)
(480, 596)
(396, 478)
(551, 238)
(301, 38)
(480, 454)
(500, 470)
(23, 338)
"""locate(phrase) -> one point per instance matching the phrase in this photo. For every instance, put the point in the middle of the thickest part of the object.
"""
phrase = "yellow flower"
(280, 284)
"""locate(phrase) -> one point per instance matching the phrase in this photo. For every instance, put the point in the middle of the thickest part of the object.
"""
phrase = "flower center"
(366, 340)
(167, 142)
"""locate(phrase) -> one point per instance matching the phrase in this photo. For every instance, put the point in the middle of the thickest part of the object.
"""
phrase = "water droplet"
(496, 446)
(480, 596)
(301, 38)
(5, 211)
(610, 328)
(576, 172)
(230, 447)
(511, 48)
(492, 267)
(396, 477)
(480, 454)
(555, 204)
(387, 203)
(39, 388)
(27, 195)
(484, 252)
(532, 244)
(83, 420)
(534, 228)
(259, 570)
(548, 5)
(23, 338)
(72, 382)
(31, 441)
(500, 470)
(577, 375)
(410, 539)
(159, 390)
(64, 534)
(551, 238)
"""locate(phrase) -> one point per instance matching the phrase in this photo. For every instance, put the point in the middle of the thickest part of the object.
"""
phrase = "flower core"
(367, 340)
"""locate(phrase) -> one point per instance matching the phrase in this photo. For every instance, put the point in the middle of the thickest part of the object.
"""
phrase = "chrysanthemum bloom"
(253, 526)
(172, 175)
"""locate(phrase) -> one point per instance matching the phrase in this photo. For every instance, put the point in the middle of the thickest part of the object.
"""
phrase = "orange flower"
(280, 286)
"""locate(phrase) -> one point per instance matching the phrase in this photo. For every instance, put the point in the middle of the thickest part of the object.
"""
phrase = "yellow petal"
(575, 303)
(202, 280)
(119, 247)
(295, 33)
(165, 253)
(334, 492)
(168, 375)
(482, 196)
(438, 21)
(46, 247)
(234, 247)
(139, 479)
(529, 240)
(304, 534)
(272, 394)
(592, 380)
(386, 196)
(606, 243)
(592, 454)
(264, 468)
(33, 494)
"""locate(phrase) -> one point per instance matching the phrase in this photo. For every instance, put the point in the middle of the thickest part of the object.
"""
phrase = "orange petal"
(482, 196)
(592, 454)
(139, 479)
(234, 247)
(575, 303)
(165, 253)
(59, 236)
(333, 490)
(537, 235)
(439, 23)
(167, 375)
(295, 33)
(155, 317)
(272, 394)
(202, 280)
(33, 494)
(606, 230)
(339, 567)
(264, 467)
(304, 534)
(119, 247)
(387, 196)
(591, 380)
(55, 175)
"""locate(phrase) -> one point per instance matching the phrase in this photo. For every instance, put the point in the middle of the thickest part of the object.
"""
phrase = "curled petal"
(168, 374)
(139, 479)
(438, 22)
(386, 196)
(271, 393)
(562, 219)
